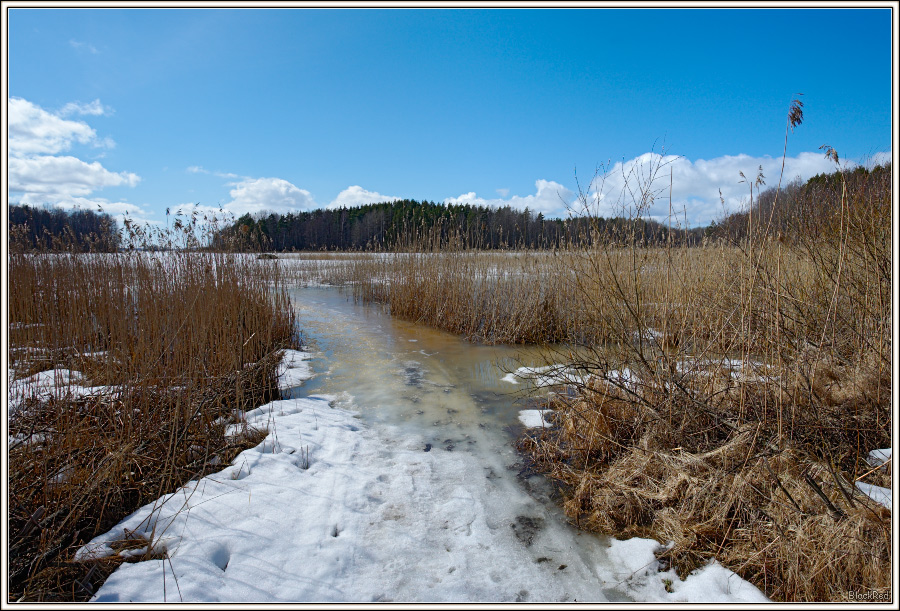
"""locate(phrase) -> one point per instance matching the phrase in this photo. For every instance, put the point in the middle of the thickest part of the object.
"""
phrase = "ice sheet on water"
(548, 375)
(879, 457)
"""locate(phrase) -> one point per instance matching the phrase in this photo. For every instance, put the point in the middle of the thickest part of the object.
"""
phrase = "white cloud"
(357, 196)
(551, 199)
(641, 185)
(503, 192)
(197, 169)
(205, 214)
(116, 209)
(695, 187)
(94, 108)
(33, 130)
(881, 158)
(253, 195)
(43, 177)
(38, 176)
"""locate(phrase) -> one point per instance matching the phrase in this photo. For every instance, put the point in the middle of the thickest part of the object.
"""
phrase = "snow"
(878, 458)
(625, 378)
(633, 566)
(324, 510)
(534, 418)
(294, 369)
(539, 376)
(876, 493)
(53, 383)
(330, 509)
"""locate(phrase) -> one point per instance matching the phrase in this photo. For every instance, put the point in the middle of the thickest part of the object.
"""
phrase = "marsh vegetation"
(126, 370)
(720, 393)
(724, 397)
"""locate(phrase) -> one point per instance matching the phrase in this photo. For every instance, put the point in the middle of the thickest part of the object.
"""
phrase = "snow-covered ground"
(328, 508)
(388, 476)
(294, 369)
(44, 385)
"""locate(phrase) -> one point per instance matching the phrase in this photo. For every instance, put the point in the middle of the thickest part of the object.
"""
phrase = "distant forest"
(408, 223)
(795, 212)
(39, 229)
(801, 211)
(789, 213)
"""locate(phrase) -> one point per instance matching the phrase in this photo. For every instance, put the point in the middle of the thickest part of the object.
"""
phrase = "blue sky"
(247, 110)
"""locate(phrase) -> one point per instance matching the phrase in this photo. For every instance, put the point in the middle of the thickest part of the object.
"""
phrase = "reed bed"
(735, 414)
(128, 372)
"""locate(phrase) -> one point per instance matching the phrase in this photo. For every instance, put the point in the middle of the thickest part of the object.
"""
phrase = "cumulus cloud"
(357, 196)
(641, 185)
(205, 214)
(118, 210)
(264, 195)
(46, 175)
(551, 199)
(882, 158)
(253, 195)
(38, 175)
(33, 130)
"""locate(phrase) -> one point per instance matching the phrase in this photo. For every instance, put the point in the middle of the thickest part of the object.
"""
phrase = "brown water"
(407, 374)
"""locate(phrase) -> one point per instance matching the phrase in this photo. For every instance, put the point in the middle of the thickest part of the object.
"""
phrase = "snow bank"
(634, 568)
(294, 369)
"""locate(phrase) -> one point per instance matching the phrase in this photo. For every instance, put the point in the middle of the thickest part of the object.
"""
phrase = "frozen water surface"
(389, 475)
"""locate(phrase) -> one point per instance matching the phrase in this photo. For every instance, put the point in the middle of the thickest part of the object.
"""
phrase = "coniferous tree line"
(796, 212)
(40, 229)
(409, 223)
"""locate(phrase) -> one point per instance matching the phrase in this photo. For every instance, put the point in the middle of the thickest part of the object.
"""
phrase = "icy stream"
(389, 475)
(435, 393)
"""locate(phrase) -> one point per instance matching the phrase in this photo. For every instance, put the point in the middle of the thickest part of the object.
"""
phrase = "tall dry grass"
(154, 356)
(756, 388)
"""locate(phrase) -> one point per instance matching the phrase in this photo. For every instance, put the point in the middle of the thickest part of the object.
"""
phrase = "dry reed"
(171, 347)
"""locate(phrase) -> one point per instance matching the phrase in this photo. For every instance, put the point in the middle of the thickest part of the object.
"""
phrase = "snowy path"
(372, 518)
(329, 510)
(332, 507)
